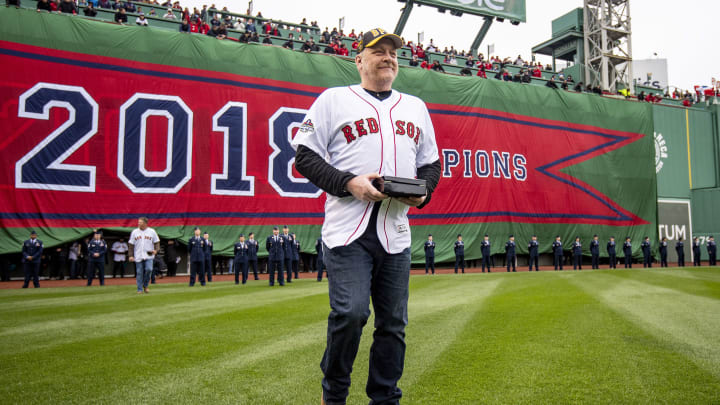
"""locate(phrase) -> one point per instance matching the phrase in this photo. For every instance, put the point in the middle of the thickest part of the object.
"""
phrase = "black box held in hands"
(401, 186)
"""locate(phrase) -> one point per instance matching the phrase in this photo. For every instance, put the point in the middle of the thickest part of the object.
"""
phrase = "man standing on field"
(144, 245)
(367, 131)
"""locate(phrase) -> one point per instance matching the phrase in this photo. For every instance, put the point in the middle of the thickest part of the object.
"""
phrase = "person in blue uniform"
(208, 256)
(680, 250)
(576, 248)
(712, 251)
(696, 252)
(627, 251)
(459, 254)
(595, 252)
(510, 253)
(319, 264)
(295, 255)
(557, 249)
(241, 260)
(97, 248)
(275, 247)
(533, 246)
(646, 250)
(252, 254)
(196, 250)
(612, 253)
(287, 252)
(429, 254)
(486, 255)
(31, 256)
(663, 252)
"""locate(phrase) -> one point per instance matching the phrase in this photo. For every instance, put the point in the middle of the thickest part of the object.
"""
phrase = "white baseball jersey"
(143, 242)
(358, 133)
(121, 247)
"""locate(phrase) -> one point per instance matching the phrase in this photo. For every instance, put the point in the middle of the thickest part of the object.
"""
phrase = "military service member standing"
(696, 252)
(459, 254)
(680, 250)
(510, 253)
(367, 131)
(595, 252)
(287, 252)
(252, 254)
(486, 255)
(627, 251)
(429, 255)
(646, 249)
(208, 257)
(241, 260)
(96, 258)
(295, 255)
(576, 249)
(663, 252)
(196, 249)
(612, 253)
(712, 251)
(533, 246)
(557, 253)
(274, 246)
(31, 255)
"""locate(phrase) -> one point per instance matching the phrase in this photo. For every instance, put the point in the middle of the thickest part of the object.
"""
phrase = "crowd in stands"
(216, 23)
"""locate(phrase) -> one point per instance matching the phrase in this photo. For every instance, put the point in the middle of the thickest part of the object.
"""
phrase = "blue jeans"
(355, 273)
(143, 270)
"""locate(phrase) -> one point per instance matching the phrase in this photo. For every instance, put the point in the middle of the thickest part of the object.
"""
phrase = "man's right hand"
(131, 259)
(361, 187)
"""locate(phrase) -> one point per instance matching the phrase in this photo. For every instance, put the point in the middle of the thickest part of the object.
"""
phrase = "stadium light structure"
(490, 10)
(608, 44)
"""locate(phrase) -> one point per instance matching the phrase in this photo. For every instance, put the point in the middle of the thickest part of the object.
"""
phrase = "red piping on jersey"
(382, 155)
(385, 221)
(392, 125)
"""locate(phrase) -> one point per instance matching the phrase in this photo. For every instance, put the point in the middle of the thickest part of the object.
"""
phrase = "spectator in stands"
(245, 37)
(221, 31)
(578, 87)
(254, 37)
(597, 90)
(239, 25)
(227, 20)
(250, 25)
(551, 83)
(334, 33)
(67, 6)
(186, 15)
(481, 71)
(343, 51)
(289, 43)
(215, 20)
(421, 54)
(326, 36)
(103, 4)
(352, 33)
(355, 44)
(676, 94)
(203, 27)
(431, 47)
(185, 26)
(204, 12)
(141, 20)
(470, 61)
(436, 66)
(307, 46)
(425, 65)
(267, 40)
(329, 49)
(169, 15)
(414, 61)
(121, 17)
(687, 101)
(641, 96)
(466, 72)
(43, 5)
(15, 3)
(519, 61)
(90, 10)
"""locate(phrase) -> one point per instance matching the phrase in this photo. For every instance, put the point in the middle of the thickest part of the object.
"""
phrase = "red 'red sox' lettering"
(409, 129)
(360, 129)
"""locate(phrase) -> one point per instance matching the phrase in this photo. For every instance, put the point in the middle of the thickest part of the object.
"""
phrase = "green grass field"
(617, 336)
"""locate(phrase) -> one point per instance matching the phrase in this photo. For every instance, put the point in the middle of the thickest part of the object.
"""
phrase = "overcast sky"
(685, 33)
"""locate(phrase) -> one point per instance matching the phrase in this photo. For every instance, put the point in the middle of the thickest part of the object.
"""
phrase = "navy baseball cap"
(197, 228)
(459, 235)
(275, 228)
(371, 37)
(487, 235)
(429, 234)
(511, 236)
(241, 236)
(98, 232)
(32, 232)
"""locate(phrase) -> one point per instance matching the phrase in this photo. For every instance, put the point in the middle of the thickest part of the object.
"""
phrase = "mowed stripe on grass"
(584, 337)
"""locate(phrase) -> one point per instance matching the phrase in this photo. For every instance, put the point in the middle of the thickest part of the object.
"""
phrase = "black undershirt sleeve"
(321, 173)
(431, 174)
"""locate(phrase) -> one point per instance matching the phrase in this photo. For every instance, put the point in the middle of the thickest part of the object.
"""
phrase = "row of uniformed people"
(576, 249)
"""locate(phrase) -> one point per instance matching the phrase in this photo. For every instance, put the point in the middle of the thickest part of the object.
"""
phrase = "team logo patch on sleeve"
(307, 126)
